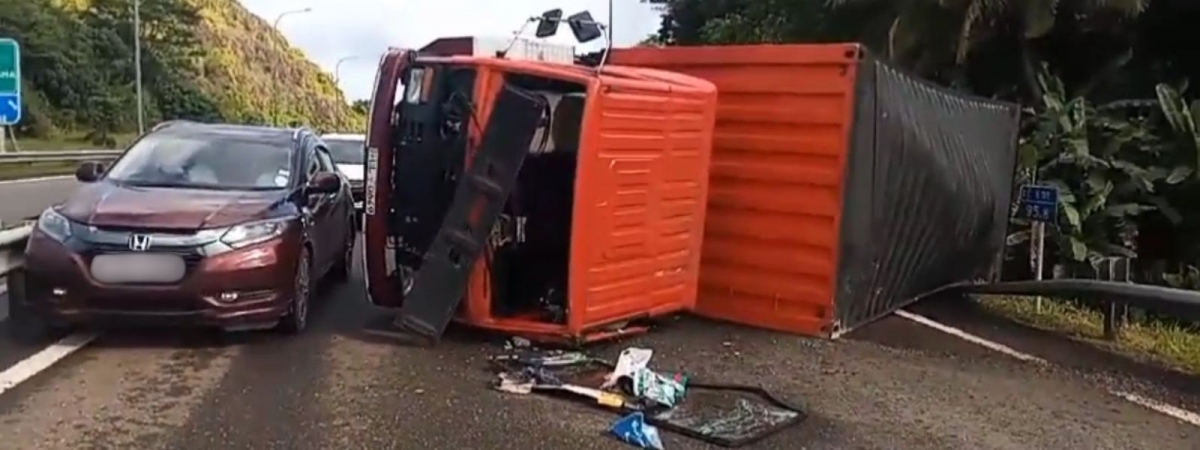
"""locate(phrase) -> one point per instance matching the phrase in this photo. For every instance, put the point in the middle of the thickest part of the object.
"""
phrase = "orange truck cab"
(538, 198)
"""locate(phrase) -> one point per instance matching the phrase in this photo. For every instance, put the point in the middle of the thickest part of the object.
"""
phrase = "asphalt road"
(895, 385)
(21, 199)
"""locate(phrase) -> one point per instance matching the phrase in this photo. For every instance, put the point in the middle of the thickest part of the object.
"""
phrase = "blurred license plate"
(138, 268)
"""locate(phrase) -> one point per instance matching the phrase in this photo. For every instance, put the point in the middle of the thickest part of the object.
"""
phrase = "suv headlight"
(54, 225)
(248, 234)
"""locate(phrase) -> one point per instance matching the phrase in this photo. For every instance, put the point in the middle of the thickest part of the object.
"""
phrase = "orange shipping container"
(840, 189)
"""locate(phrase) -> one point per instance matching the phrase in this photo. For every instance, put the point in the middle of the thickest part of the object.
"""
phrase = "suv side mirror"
(324, 183)
(89, 171)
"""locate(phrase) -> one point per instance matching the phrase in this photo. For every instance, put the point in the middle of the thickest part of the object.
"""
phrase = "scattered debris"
(729, 416)
(514, 385)
(665, 391)
(630, 361)
(518, 342)
(633, 429)
(650, 398)
(535, 358)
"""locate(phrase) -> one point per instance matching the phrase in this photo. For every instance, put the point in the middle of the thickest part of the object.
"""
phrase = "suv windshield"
(205, 160)
(345, 151)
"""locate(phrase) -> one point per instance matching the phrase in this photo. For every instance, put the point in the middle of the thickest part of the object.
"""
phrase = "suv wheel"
(296, 319)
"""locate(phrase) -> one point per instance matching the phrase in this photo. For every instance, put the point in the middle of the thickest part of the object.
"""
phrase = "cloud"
(363, 29)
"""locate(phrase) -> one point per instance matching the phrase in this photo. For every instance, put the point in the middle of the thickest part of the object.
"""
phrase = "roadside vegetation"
(207, 60)
(63, 142)
(1109, 94)
(1163, 343)
(34, 170)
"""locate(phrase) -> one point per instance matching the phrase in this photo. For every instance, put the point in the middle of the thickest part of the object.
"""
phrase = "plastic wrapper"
(665, 391)
(631, 360)
(634, 430)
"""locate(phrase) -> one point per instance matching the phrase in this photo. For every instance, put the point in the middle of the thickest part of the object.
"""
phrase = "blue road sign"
(10, 82)
(1039, 203)
(10, 109)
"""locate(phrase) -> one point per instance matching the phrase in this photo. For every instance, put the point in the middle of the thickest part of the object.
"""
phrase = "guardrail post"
(16, 294)
(1115, 311)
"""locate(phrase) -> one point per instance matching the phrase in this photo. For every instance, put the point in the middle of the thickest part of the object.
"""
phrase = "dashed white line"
(33, 365)
(991, 345)
(1154, 405)
(1176, 412)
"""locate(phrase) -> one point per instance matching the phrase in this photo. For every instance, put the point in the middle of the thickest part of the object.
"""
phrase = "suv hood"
(105, 204)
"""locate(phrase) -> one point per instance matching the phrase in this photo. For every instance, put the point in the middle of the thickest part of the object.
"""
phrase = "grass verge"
(61, 143)
(1164, 344)
(68, 142)
(41, 169)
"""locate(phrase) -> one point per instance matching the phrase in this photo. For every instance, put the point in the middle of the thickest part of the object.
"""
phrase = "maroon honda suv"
(195, 224)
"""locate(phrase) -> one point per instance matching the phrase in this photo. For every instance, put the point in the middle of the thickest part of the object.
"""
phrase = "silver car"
(349, 152)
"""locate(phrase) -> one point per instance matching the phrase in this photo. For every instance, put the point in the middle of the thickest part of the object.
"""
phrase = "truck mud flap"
(441, 282)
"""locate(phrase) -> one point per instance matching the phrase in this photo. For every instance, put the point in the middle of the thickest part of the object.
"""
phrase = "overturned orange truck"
(802, 188)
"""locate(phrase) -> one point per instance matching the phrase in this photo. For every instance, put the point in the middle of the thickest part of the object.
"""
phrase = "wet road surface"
(895, 385)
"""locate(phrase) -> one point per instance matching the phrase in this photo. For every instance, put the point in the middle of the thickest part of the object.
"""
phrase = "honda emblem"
(139, 242)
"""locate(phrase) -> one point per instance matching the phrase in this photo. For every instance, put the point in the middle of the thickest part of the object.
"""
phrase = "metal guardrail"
(12, 248)
(58, 156)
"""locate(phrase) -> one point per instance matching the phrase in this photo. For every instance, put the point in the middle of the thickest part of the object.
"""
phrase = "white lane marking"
(1176, 412)
(996, 346)
(33, 365)
(1154, 405)
(35, 180)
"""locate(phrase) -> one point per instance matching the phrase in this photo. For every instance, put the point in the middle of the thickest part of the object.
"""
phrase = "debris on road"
(514, 385)
(631, 360)
(518, 342)
(725, 415)
(633, 429)
(729, 416)
(652, 386)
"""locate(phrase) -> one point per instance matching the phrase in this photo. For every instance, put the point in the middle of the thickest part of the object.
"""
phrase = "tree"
(361, 106)
(991, 47)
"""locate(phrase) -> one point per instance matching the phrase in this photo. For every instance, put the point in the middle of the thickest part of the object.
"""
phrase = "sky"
(363, 29)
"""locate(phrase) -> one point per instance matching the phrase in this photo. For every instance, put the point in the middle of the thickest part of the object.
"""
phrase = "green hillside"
(209, 60)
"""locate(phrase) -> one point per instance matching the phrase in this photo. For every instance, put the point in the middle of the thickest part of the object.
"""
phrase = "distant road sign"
(10, 82)
(1039, 203)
